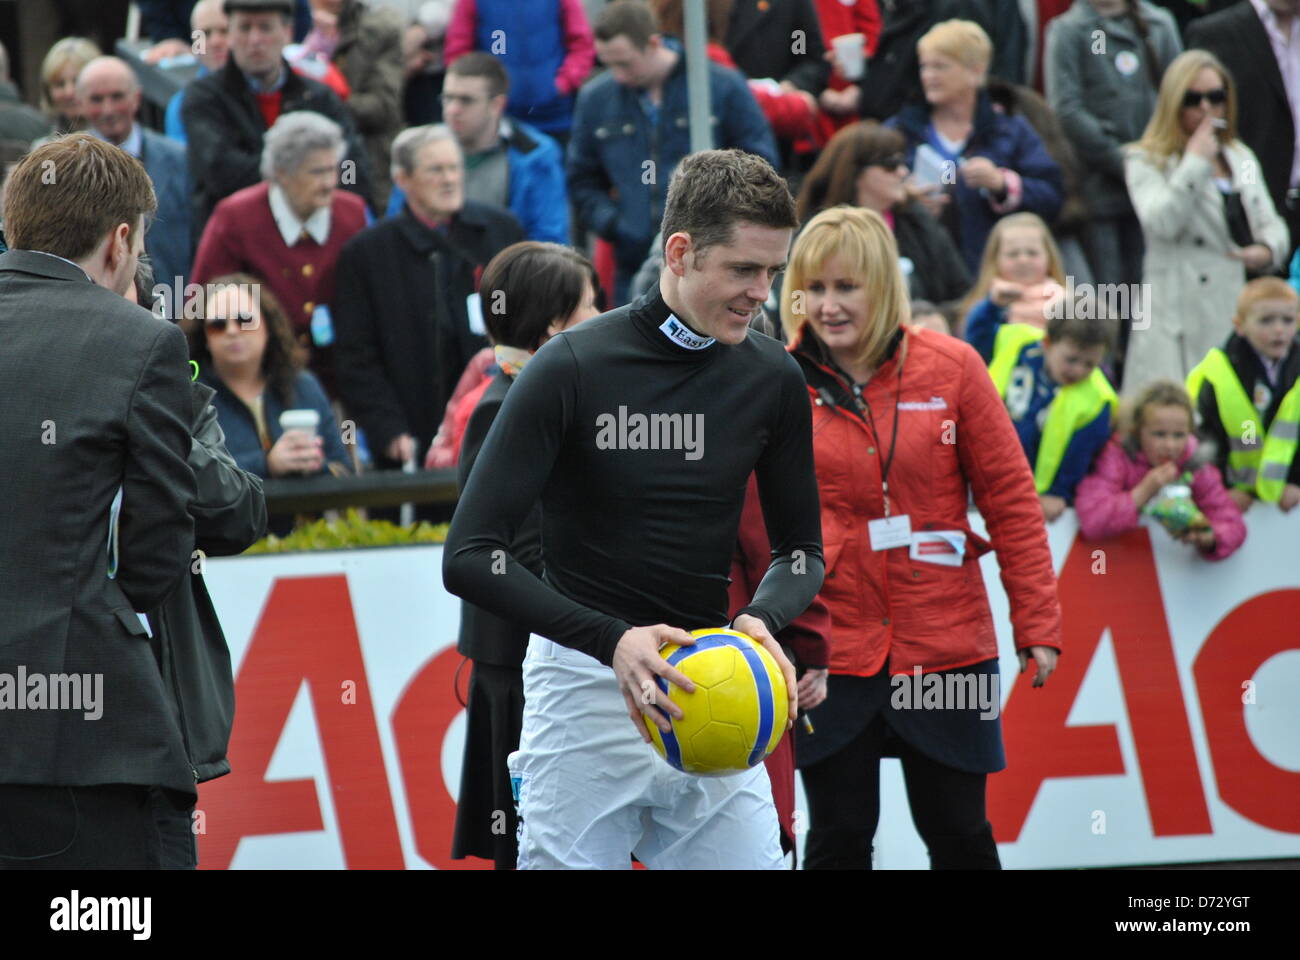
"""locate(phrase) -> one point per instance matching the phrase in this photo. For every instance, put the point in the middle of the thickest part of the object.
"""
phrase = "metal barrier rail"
(385, 488)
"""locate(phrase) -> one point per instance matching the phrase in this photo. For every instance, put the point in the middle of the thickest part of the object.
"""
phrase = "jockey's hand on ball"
(756, 628)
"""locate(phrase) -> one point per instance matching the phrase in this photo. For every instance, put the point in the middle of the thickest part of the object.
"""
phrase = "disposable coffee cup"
(850, 55)
(305, 420)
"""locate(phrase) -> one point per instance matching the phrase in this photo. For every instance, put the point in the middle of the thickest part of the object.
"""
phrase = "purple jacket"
(1105, 506)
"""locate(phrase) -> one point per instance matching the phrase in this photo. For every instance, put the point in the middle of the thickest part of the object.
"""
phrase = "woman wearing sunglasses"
(864, 165)
(1206, 217)
(245, 350)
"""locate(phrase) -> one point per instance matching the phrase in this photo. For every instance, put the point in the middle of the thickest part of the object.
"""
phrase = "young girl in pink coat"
(1152, 449)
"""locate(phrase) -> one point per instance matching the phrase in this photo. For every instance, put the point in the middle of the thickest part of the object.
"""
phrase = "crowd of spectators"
(364, 160)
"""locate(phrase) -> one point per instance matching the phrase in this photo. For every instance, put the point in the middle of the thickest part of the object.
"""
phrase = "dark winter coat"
(1009, 142)
(229, 516)
(763, 39)
(369, 55)
(401, 318)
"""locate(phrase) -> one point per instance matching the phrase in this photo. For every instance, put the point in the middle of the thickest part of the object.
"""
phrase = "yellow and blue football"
(737, 714)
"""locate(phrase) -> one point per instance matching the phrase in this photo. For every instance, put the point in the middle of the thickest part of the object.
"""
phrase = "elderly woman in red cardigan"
(907, 425)
(288, 229)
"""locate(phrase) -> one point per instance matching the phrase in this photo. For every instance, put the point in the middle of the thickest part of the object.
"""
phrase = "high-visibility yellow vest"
(1072, 409)
(1258, 461)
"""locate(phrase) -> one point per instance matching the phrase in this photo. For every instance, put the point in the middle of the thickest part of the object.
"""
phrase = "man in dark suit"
(227, 113)
(109, 96)
(781, 40)
(407, 317)
(95, 495)
(1266, 107)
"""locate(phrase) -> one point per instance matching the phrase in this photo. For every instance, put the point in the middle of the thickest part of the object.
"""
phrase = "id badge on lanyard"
(888, 532)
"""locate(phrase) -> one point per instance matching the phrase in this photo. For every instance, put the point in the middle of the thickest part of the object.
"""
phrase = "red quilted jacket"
(953, 434)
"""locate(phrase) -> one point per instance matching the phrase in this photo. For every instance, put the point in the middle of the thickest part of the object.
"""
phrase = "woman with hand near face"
(905, 422)
(1207, 218)
(245, 351)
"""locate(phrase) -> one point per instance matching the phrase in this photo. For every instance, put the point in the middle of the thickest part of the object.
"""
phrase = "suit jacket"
(169, 242)
(759, 39)
(1237, 37)
(94, 396)
(225, 131)
(401, 323)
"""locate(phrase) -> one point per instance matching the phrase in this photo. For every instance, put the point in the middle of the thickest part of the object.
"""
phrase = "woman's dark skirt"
(486, 824)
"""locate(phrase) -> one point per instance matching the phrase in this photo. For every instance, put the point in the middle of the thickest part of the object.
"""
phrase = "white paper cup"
(850, 54)
(306, 420)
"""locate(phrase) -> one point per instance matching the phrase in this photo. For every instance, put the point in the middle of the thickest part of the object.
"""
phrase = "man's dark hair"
(1086, 327)
(528, 286)
(626, 18)
(64, 196)
(480, 64)
(713, 190)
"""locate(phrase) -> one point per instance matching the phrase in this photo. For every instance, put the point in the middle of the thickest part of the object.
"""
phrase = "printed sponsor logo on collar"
(934, 403)
(680, 334)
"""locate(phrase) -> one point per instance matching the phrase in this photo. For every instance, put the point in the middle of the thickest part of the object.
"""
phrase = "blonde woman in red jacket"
(905, 423)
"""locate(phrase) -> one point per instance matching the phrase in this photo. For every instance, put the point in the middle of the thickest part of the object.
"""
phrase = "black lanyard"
(875, 436)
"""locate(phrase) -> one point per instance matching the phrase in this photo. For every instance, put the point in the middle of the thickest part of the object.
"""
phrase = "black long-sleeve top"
(632, 533)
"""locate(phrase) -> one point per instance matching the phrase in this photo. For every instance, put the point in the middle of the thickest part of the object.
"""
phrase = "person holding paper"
(973, 163)
(905, 422)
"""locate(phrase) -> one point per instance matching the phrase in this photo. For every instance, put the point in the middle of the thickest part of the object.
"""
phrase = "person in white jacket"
(1206, 217)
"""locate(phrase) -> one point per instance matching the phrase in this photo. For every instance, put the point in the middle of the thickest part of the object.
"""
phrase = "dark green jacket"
(229, 516)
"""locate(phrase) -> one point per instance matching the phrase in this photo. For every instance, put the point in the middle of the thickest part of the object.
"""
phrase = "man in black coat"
(1265, 116)
(227, 113)
(893, 77)
(406, 313)
(780, 39)
(95, 521)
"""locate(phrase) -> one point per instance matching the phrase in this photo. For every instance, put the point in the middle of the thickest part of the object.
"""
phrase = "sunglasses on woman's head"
(1216, 97)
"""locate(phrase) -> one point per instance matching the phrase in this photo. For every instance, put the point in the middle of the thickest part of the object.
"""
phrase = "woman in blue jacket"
(246, 352)
(972, 163)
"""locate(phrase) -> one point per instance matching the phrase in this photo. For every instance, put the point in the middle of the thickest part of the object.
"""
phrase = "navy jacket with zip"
(615, 147)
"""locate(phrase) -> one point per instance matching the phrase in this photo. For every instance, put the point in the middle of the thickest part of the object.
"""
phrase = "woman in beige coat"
(1206, 217)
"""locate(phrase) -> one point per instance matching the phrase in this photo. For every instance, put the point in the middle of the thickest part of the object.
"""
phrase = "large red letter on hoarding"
(1127, 599)
(306, 632)
(1260, 628)
(420, 722)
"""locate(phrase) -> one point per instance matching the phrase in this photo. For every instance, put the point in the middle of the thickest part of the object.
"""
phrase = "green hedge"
(350, 531)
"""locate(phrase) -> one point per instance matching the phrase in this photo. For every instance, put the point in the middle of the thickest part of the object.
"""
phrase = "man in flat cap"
(227, 113)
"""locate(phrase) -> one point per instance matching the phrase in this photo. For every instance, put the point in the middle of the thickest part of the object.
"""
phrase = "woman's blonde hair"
(989, 264)
(1164, 137)
(864, 242)
(1157, 393)
(962, 40)
(74, 50)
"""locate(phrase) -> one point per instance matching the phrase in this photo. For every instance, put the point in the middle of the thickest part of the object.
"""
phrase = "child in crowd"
(1020, 279)
(1248, 397)
(926, 314)
(1060, 402)
(1152, 450)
